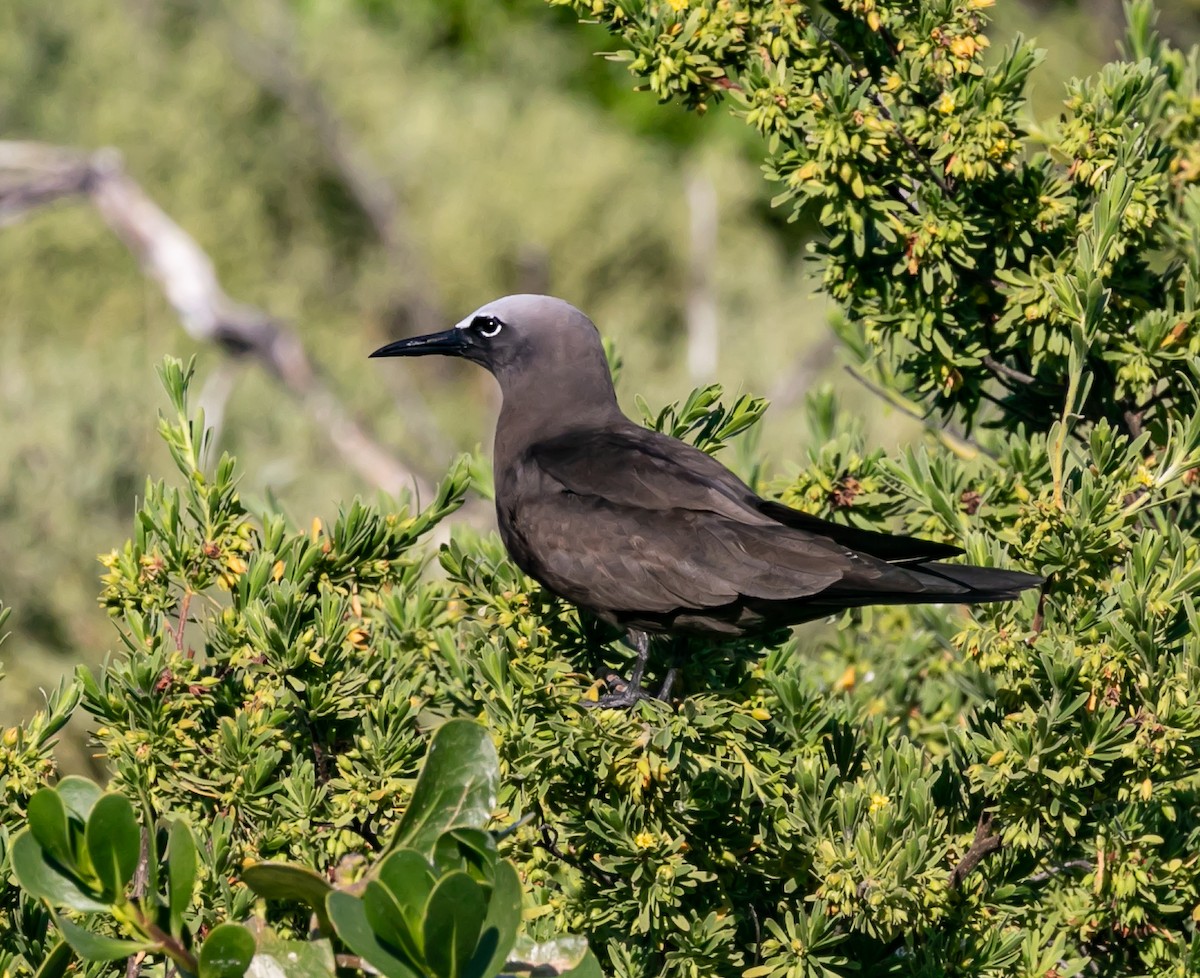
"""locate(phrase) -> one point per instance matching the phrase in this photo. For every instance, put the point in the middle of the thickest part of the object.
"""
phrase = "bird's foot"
(622, 694)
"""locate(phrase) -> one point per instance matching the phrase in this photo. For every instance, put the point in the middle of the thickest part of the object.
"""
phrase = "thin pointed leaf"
(456, 787)
(57, 961)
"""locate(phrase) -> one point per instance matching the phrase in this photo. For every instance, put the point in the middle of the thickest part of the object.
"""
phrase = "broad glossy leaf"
(350, 921)
(456, 787)
(588, 967)
(97, 947)
(181, 872)
(391, 925)
(226, 952)
(48, 823)
(454, 918)
(465, 848)
(499, 930)
(57, 961)
(562, 955)
(45, 880)
(276, 958)
(410, 878)
(114, 842)
(78, 795)
(286, 881)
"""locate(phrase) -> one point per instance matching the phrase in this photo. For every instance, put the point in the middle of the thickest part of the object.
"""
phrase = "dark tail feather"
(981, 583)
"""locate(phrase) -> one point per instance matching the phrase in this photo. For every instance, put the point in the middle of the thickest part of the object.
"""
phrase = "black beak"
(451, 343)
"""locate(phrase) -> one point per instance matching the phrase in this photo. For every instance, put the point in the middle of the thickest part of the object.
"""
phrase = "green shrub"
(919, 791)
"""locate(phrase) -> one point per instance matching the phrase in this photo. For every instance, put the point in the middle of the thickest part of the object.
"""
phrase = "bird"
(653, 535)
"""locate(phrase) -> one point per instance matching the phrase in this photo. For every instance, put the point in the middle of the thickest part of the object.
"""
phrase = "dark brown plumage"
(650, 533)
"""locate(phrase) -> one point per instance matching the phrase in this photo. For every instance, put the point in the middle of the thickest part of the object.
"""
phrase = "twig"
(183, 612)
(273, 62)
(1055, 870)
(141, 879)
(961, 446)
(1004, 370)
(550, 844)
(170, 256)
(984, 843)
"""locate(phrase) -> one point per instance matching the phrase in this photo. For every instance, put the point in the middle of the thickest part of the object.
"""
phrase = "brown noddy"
(649, 533)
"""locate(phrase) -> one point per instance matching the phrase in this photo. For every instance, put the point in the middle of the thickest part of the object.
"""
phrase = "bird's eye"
(487, 326)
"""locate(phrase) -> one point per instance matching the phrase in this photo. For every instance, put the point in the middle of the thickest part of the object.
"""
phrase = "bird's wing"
(641, 469)
(631, 520)
(620, 558)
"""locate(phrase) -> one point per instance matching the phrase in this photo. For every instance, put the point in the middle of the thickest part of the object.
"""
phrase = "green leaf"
(98, 947)
(275, 957)
(463, 848)
(57, 961)
(349, 918)
(227, 952)
(286, 881)
(456, 787)
(392, 925)
(410, 879)
(563, 955)
(45, 880)
(48, 823)
(114, 842)
(499, 930)
(588, 967)
(181, 872)
(78, 795)
(454, 917)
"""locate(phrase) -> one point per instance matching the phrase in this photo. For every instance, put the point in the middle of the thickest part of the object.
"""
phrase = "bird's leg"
(678, 646)
(627, 692)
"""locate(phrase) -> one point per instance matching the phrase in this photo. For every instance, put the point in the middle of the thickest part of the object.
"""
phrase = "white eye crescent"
(494, 323)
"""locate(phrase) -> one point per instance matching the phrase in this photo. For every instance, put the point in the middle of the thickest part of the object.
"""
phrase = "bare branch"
(1004, 370)
(171, 257)
(985, 842)
(272, 61)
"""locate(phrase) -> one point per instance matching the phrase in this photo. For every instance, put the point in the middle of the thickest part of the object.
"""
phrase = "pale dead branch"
(34, 174)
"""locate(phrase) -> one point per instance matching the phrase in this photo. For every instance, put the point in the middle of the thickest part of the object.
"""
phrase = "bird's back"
(648, 532)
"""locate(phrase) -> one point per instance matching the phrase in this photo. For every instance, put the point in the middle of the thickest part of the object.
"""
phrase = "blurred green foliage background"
(509, 160)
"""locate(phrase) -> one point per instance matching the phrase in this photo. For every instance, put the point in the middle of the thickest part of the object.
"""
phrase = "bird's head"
(521, 339)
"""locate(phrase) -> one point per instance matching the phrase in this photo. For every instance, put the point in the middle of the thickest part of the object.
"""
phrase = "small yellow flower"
(878, 803)
(945, 104)
(963, 47)
(678, 5)
(644, 840)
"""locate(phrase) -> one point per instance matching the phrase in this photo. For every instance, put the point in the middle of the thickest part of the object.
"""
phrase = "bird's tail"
(975, 585)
